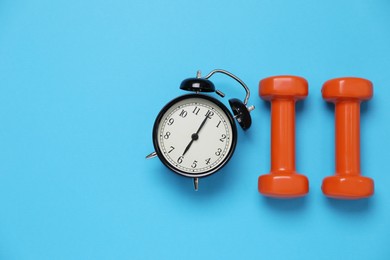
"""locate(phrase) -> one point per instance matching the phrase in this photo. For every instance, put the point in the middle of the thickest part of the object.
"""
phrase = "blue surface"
(82, 81)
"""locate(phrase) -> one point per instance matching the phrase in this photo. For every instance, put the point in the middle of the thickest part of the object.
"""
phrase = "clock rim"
(233, 137)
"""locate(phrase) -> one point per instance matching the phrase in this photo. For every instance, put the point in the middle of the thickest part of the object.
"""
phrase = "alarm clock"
(195, 135)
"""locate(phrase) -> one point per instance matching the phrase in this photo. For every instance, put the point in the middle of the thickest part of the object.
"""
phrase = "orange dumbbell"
(347, 94)
(283, 181)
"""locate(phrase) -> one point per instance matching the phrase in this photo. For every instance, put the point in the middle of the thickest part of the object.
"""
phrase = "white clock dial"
(195, 136)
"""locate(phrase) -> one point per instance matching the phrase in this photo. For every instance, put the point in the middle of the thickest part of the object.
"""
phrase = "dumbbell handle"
(282, 135)
(347, 123)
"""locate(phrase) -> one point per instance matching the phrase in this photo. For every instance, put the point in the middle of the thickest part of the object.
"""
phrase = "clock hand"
(188, 147)
(195, 136)
(204, 121)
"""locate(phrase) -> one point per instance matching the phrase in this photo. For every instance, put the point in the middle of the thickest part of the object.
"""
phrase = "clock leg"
(196, 184)
(151, 155)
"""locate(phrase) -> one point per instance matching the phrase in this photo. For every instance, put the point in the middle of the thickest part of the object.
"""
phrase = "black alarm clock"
(195, 135)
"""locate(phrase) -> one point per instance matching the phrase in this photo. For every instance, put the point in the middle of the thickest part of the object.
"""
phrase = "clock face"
(194, 135)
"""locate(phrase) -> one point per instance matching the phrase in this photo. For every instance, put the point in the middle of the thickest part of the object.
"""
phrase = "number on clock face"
(195, 136)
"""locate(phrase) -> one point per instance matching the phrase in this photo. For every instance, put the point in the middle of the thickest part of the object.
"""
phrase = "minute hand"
(195, 136)
(204, 121)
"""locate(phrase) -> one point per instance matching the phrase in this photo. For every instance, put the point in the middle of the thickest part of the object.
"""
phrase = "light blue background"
(81, 83)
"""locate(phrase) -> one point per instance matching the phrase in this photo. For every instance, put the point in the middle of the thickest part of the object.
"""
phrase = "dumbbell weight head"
(348, 187)
(279, 87)
(349, 88)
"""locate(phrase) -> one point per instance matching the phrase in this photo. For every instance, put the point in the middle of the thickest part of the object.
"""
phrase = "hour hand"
(194, 137)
